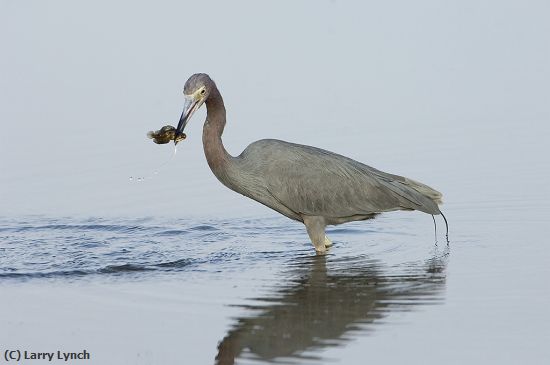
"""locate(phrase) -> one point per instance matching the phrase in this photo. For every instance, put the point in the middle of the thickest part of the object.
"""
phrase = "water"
(251, 291)
(59, 248)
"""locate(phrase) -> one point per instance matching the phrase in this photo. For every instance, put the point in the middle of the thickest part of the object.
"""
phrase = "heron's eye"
(203, 91)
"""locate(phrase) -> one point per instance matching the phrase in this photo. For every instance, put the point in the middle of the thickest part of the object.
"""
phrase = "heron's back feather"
(312, 181)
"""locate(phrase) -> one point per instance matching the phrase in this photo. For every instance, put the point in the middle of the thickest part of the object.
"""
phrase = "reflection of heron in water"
(324, 307)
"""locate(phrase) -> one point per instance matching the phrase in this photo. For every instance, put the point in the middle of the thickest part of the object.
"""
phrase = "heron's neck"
(216, 155)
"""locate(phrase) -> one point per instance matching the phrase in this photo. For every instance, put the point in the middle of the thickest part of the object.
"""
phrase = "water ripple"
(38, 247)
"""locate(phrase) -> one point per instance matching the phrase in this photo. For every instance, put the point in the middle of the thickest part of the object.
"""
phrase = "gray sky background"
(432, 90)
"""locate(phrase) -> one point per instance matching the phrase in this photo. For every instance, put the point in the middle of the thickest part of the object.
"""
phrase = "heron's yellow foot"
(328, 242)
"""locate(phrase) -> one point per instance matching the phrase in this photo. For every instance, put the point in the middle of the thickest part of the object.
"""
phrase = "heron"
(304, 183)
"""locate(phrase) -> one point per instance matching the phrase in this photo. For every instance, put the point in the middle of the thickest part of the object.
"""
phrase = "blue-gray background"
(455, 94)
(426, 89)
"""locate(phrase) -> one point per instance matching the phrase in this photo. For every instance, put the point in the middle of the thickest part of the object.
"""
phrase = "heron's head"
(196, 92)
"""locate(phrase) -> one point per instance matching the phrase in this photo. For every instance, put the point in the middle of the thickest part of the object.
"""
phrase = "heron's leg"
(328, 242)
(315, 227)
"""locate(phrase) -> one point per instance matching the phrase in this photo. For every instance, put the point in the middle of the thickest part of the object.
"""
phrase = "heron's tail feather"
(425, 190)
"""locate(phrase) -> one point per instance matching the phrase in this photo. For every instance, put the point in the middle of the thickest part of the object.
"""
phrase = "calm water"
(251, 291)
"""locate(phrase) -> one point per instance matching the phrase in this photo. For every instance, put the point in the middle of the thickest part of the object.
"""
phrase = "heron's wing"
(313, 181)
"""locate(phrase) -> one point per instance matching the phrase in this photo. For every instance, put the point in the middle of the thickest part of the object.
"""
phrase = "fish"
(165, 135)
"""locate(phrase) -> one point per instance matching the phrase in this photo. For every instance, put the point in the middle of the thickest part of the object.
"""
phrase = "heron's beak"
(191, 105)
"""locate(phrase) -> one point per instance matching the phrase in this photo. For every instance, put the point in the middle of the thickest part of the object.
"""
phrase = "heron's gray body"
(298, 180)
(304, 183)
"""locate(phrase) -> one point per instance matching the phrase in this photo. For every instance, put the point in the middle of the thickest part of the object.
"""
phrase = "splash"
(156, 171)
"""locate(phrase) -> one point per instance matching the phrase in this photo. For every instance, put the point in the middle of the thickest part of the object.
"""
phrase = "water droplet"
(131, 178)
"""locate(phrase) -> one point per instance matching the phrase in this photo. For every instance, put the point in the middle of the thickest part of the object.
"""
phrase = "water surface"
(252, 291)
